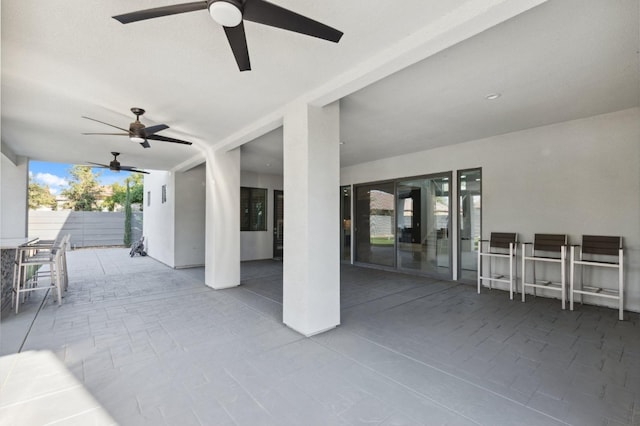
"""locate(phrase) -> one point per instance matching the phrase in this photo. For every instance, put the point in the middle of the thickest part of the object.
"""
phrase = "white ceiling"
(561, 60)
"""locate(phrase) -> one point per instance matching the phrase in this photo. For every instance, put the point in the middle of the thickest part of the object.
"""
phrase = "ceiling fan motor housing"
(136, 129)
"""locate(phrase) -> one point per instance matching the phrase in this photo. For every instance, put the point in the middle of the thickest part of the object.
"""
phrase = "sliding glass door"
(423, 225)
(375, 224)
(469, 220)
(345, 226)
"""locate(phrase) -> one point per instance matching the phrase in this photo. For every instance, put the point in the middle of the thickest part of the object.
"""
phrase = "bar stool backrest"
(549, 242)
(502, 239)
(597, 244)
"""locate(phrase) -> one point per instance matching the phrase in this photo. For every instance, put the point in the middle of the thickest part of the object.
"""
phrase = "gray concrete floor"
(155, 346)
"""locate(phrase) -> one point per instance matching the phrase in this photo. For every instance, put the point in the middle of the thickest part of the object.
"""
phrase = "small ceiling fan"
(138, 132)
(231, 14)
(115, 166)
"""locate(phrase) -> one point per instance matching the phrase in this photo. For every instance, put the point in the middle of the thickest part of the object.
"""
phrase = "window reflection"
(375, 215)
(423, 225)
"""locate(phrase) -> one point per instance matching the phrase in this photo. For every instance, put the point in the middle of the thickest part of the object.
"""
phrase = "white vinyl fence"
(87, 229)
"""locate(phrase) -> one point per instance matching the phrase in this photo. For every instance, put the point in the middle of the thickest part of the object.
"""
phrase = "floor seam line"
(413, 391)
(446, 373)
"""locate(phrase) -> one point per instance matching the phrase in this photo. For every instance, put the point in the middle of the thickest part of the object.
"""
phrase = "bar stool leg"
(563, 274)
(621, 286)
(524, 271)
(479, 265)
(571, 277)
(510, 271)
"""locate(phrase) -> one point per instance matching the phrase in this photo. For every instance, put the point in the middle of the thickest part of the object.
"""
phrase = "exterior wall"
(14, 183)
(87, 229)
(159, 217)
(255, 245)
(190, 196)
(577, 177)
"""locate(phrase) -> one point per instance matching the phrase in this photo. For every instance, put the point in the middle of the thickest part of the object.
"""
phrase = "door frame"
(277, 254)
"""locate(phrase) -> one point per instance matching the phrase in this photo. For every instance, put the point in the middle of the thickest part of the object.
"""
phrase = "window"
(253, 209)
(164, 194)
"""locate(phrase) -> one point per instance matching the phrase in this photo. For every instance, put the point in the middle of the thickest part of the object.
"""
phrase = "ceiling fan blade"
(145, 144)
(266, 13)
(157, 12)
(98, 164)
(132, 169)
(109, 134)
(238, 43)
(111, 125)
(166, 139)
(155, 129)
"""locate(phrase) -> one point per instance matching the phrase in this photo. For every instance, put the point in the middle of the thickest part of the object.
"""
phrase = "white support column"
(311, 282)
(14, 185)
(222, 245)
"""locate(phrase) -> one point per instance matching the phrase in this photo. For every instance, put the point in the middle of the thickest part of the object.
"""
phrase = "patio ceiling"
(409, 78)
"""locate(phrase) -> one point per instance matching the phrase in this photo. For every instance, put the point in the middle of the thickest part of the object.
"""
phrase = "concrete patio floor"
(155, 346)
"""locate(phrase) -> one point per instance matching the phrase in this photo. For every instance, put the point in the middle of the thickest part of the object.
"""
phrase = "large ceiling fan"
(115, 166)
(138, 132)
(231, 14)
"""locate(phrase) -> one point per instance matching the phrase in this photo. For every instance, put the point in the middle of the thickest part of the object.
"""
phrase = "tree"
(127, 217)
(83, 189)
(119, 192)
(40, 195)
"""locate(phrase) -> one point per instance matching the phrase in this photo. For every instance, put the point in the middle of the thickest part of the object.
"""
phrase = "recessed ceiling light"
(492, 96)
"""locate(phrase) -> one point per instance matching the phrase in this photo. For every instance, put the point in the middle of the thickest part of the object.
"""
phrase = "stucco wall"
(578, 177)
(175, 229)
(190, 196)
(159, 217)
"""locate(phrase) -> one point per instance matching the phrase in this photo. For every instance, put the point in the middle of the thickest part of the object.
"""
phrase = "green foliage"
(119, 192)
(40, 196)
(127, 217)
(83, 189)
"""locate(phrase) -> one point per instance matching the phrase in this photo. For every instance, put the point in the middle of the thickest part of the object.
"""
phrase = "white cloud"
(52, 181)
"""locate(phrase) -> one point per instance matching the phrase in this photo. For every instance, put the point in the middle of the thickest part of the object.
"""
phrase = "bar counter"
(8, 253)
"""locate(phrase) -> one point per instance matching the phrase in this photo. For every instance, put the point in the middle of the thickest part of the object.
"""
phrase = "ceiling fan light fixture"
(226, 13)
(136, 139)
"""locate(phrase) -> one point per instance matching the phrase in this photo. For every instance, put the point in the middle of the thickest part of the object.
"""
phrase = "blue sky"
(56, 175)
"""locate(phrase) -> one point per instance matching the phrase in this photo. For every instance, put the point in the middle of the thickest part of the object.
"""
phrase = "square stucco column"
(222, 241)
(14, 184)
(311, 281)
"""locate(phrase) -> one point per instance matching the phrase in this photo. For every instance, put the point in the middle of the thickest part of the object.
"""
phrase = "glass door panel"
(423, 225)
(278, 224)
(345, 226)
(375, 224)
(469, 222)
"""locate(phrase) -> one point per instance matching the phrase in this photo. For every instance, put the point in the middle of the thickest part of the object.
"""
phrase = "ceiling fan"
(138, 132)
(231, 14)
(115, 166)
